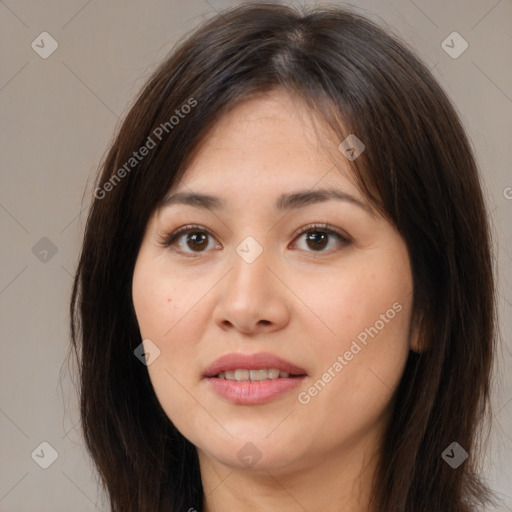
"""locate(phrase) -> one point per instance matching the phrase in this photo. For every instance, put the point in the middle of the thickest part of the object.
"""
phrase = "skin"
(303, 302)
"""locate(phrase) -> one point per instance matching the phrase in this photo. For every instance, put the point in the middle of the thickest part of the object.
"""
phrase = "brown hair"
(417, 169)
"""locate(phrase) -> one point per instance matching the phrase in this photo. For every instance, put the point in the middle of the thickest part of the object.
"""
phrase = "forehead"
(272, 141)
(269, 152)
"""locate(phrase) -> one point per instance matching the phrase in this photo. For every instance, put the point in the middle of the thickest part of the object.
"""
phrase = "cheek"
(157, 300)
(356, 375)
(366, 298)
(367, 312)
(167, 314)
(159, 306)
(151, 302)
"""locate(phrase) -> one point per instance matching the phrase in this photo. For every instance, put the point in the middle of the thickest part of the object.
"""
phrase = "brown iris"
(318, 238)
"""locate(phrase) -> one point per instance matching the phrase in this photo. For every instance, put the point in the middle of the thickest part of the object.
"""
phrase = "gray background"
(58, 115)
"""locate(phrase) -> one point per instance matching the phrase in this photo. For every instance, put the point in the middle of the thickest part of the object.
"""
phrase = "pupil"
(314, 237)
(198, 237)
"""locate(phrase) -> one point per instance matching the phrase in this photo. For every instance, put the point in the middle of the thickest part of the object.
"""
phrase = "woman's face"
(261, 277)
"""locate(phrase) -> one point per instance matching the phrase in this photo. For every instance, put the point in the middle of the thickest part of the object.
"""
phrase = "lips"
(257, 361)
(250, 392)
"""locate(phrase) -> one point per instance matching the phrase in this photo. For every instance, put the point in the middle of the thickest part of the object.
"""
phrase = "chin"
(253, 453)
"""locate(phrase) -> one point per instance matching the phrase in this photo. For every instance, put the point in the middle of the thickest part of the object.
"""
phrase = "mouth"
(253, 379)
(244, 375)
(252, 367)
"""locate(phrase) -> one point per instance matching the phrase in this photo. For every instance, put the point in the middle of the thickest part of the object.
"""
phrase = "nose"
(252, 298)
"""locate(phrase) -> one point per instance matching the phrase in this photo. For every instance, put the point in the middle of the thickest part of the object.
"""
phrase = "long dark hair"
(417, 169)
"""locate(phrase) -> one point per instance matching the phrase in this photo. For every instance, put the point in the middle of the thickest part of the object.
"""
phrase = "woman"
(285, 296)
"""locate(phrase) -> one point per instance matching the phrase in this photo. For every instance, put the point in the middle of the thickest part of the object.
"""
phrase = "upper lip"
(237, 361)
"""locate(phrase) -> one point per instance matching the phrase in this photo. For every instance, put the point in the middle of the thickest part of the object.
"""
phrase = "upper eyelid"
(319, 225)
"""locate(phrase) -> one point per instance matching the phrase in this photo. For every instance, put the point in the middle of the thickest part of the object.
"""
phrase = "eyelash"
(169, 240)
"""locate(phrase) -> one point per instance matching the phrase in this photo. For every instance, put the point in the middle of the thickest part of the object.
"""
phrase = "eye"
(318, 236)
(197, 240)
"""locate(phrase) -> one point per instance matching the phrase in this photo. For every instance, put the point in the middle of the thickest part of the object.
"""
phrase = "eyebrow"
(288, 201)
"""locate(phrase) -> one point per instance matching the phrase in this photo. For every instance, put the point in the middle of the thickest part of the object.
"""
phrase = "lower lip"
(254, 392)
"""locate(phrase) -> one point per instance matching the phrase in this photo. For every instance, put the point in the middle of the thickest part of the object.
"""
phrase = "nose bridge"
(250, 273)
